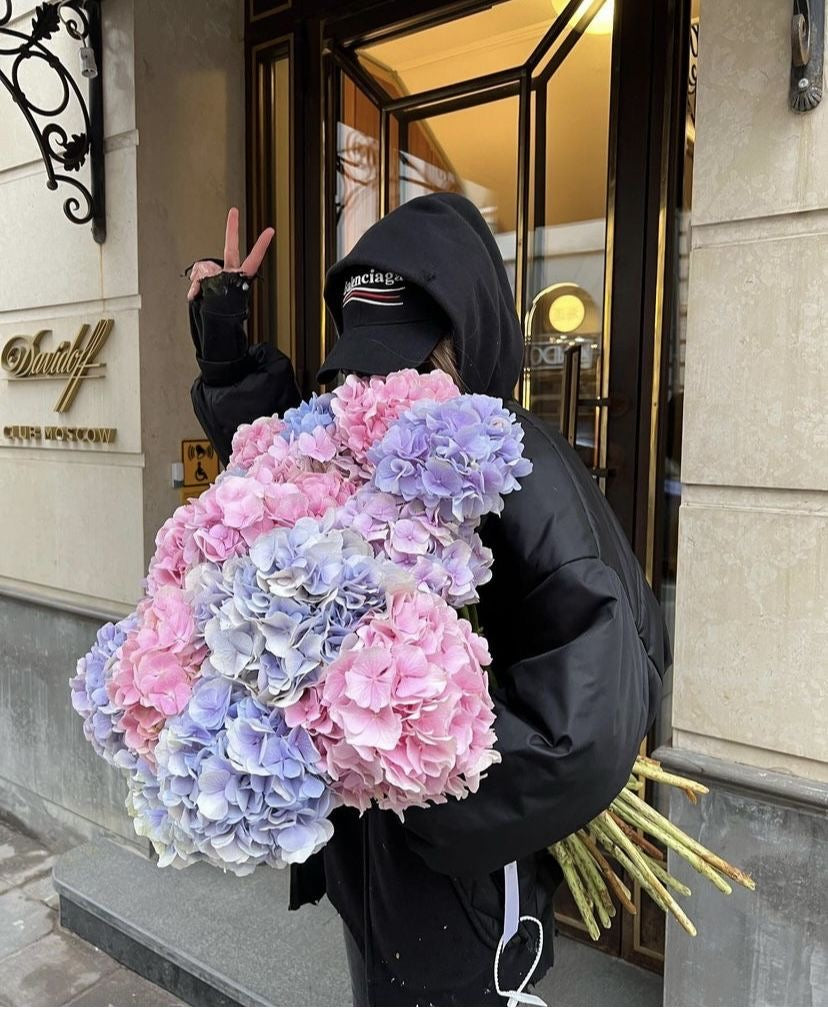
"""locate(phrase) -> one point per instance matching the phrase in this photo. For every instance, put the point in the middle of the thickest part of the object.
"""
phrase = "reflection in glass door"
(564, 327)
(514, 113)
(357, 168)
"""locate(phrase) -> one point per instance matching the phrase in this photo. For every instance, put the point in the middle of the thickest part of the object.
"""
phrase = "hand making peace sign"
(249, 266)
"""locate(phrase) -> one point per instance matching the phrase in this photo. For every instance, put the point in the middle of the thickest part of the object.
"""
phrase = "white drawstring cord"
(511, 922)
(518, 997)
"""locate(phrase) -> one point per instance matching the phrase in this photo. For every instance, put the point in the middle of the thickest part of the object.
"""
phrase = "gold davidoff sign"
(23, 359)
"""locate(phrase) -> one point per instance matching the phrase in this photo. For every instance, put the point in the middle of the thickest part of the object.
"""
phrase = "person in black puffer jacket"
(577, 638)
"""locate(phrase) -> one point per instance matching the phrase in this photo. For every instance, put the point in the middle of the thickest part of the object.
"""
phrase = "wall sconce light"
(807, 45)
(63, 153)
(566, 313)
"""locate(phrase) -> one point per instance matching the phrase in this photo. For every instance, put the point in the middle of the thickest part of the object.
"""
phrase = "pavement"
(42, 964)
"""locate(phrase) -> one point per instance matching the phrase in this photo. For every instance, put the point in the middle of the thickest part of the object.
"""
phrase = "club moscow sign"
(24, 358)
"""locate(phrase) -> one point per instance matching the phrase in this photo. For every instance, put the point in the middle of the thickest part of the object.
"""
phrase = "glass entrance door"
(554, 118)
(511, 107)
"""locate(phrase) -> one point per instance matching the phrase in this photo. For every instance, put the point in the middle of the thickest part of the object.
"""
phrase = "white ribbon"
(511, 922)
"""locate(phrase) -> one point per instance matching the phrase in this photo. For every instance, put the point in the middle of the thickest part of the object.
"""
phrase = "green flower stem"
(666, 878)
(739, 876)
(567, 865)
(591, 876)
(596, 826)
(619, 889)
(665, 835)
(648, 881)
(651, 770)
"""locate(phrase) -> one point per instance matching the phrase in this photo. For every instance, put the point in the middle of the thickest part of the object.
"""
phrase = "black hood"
(442, 243)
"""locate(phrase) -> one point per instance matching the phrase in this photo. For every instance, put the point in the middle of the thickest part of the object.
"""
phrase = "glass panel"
(671, 493)
(357, 200)
(495, 39)
(567, 242)
(273, 203)
(470, 151)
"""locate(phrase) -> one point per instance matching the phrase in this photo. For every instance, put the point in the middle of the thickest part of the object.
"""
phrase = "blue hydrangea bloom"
(235, 641)
(206, 591)
(307, 416)
(290, 604)
(240, 787)
(89, 697)
(152, 819)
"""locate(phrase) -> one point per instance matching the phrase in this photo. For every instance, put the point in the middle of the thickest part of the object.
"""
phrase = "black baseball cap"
(387, 324)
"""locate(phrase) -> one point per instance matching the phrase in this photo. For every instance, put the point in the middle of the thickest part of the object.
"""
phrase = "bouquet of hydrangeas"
(304, 641)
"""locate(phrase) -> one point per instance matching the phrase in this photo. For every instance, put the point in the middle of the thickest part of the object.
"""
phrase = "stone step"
(209, 938)
(214, 939)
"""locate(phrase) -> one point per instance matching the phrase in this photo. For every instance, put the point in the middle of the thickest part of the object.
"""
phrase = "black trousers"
(356, 967)
(416, 937)
(363, 995)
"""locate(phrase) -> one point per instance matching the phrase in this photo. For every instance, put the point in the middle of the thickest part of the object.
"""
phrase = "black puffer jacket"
(577, 639)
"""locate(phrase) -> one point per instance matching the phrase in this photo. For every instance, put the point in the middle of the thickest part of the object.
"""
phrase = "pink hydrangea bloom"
(364, 408)
(174, 549)
(318, 445)
(218, 542)
(403, 716)
(253, 439)
(241, 501)
(212, 538)
(323, 491)
(278, 465)
(315, 452)
(159, 661)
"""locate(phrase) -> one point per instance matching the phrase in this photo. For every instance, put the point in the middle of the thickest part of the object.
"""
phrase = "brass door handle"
(570, 393)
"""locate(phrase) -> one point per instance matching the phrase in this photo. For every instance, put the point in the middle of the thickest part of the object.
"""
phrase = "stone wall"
(80, 519)
(752, 630)
(751, 659)
(768, 947)
(58, 501)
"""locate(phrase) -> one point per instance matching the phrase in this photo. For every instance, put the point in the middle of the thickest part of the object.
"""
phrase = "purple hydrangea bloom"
(369, 513)
(454, 572)
(89, 697)
(444, 557)
(307, 416)
(458, 457)
(250, 791)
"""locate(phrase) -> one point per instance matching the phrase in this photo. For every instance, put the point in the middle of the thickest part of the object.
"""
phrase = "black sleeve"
(570, 719)
(237, 383)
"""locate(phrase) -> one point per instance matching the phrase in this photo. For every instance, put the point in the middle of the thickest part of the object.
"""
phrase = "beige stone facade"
(82, 517)
(751, 671)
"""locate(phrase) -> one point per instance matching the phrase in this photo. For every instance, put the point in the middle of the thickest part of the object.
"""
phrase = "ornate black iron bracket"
(807, 48)
(62, 153)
